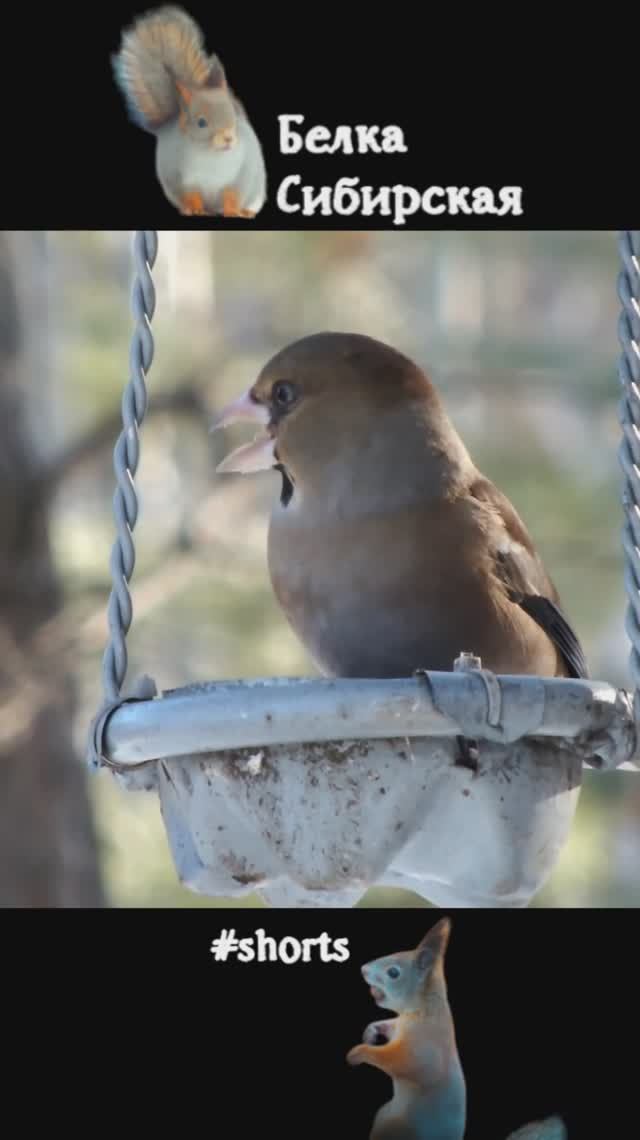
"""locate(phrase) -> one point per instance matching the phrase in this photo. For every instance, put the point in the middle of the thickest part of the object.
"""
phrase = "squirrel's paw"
(380, 1032)
(375, 1035)
(192, 204)
(357, 1055)
(231, 207)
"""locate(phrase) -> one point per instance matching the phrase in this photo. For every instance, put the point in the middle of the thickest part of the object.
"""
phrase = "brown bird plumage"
(388, 550)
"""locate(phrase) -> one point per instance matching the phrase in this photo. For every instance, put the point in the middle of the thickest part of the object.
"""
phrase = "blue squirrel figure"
(418, 1049)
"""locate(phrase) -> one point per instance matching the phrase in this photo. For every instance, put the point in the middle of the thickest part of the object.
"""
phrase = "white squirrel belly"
(183, 166)
(211, 169)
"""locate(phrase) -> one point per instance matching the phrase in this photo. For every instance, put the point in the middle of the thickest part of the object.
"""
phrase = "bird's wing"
(553, 1128)
(524, 577)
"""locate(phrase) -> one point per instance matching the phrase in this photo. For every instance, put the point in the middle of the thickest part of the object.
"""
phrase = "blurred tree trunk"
(48, 851)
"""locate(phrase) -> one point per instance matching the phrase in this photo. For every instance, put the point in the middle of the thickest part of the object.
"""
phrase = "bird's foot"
(468, 753)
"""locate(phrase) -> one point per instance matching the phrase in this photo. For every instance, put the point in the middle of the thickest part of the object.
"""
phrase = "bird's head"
(335, 407)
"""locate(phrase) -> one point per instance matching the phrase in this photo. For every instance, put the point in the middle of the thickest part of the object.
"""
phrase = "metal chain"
(125, 461)
(629, 453)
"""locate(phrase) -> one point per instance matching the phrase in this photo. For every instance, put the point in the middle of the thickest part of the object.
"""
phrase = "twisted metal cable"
(125, 461)
(629, 453)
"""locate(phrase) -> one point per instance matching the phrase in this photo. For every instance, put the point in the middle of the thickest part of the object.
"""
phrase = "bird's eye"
(284, 394)
(393, 972)
(202, 122)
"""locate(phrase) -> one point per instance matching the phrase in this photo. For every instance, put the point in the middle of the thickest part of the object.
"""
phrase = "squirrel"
(208, 158)
(418, 1049)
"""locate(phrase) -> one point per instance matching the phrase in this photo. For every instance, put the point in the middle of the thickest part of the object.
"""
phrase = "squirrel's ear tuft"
(437, 939)
(425, 958)
(216, 76)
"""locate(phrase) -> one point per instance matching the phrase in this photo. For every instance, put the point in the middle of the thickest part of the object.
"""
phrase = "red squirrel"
(208, 157)
(418, 1049)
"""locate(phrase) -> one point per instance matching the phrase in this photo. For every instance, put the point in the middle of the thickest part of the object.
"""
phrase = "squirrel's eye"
(284, 393)
(393, 972)
(202, 122)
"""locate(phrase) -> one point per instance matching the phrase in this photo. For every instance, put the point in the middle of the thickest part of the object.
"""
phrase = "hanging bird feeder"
(311, 791)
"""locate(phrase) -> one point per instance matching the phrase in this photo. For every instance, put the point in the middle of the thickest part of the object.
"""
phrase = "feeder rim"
(233, 715)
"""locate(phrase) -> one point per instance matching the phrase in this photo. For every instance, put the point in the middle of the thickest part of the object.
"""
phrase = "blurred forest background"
(518, 330)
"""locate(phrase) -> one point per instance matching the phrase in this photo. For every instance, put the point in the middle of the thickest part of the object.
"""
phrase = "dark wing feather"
(552, 620)
(524, 577)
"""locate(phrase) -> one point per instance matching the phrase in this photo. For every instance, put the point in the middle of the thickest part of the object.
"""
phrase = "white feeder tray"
(307, 822)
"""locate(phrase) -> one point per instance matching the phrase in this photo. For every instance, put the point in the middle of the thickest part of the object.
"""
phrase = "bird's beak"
(255, 456)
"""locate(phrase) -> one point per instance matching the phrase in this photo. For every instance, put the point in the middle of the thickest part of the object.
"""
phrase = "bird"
(389, 551)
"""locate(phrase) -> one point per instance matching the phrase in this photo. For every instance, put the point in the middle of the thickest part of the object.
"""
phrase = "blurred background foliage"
(518, 330)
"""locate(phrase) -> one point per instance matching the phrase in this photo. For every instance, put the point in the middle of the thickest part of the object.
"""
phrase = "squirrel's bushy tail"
(160, 48)
(553, 1128)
